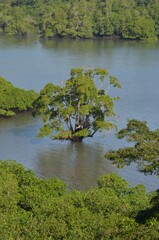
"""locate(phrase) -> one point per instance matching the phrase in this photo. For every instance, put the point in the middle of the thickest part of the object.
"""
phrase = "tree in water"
(79, 108)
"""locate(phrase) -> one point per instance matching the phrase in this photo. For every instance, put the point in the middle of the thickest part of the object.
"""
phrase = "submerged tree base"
(77, 139)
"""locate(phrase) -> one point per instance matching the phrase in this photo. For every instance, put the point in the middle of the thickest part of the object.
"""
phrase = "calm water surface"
(31, 63)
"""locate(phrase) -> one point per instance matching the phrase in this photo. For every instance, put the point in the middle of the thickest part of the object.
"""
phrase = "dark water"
(31, 63)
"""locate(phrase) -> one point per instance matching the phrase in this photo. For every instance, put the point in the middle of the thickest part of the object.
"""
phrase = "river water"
(31, 63)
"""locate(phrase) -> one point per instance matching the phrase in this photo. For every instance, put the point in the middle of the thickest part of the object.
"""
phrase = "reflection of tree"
(78, 46)
(78, 164)
(19, 120)
(21, 125)
(13, 41)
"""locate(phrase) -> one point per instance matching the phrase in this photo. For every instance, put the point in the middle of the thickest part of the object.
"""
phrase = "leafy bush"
(13, 99)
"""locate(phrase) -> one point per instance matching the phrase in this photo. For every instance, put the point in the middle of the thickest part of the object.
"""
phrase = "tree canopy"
(145, 151)
(37, 209)
(135, 19)
(79, 108)
(13, 99)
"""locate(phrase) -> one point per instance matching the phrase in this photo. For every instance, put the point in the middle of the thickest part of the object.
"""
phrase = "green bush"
(13, 99)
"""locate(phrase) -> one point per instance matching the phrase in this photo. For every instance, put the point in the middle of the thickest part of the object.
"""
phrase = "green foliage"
(36, 209)
(136, 19)
(79, 108)
(112, 181)
(145, 150)
(14, 99)
(17, 21)
(53, 20)
(145, 153)
(142, 28)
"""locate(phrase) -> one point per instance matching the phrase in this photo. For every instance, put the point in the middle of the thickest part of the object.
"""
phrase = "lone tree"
(79, 108)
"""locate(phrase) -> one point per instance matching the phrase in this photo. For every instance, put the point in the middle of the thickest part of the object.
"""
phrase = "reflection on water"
(30, 63)
(18, 139)
(16, 41)
(78, 164)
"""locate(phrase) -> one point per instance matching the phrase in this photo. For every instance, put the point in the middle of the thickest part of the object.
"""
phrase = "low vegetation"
(14, 100)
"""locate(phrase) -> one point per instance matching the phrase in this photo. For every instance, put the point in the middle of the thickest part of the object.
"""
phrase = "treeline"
(37, 209)
(128, 19)
(14, 100)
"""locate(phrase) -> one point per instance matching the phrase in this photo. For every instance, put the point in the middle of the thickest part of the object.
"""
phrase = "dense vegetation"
(13, 99)
(144, 152)
(37, 209)
(132, 19)
(80, 107)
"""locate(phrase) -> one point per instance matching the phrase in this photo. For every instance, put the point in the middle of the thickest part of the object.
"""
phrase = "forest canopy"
(128, 19)
(37, 209)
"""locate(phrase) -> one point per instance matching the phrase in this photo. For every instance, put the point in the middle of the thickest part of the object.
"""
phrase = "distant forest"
(128, 19)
